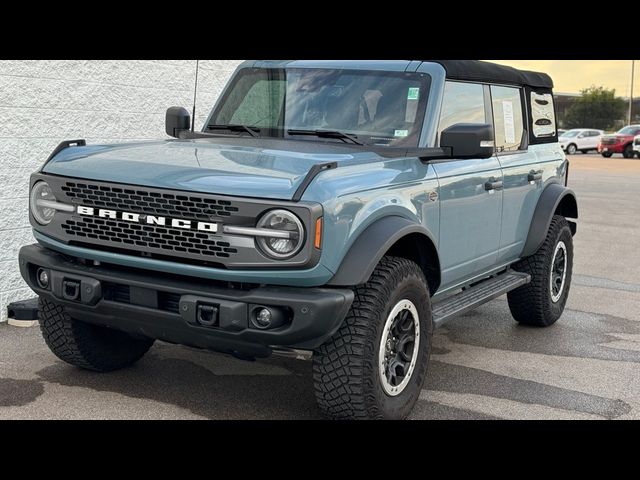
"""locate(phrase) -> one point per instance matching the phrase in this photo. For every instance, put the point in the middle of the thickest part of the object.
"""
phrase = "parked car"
(636, 145)
(580, 139)
(561, 132)
(619, 142)
(342, 210)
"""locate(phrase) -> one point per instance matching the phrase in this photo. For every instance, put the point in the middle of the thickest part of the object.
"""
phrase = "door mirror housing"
(177, 119)
(468, 140)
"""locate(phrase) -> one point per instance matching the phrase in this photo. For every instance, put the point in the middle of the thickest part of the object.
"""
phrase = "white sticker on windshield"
(400, 133)
(509, 125)
(413, 93)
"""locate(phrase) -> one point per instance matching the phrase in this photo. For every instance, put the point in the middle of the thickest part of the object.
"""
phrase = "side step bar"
(478, 294)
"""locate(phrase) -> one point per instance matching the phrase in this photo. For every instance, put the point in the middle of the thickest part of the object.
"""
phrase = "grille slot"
(118, 292)
(161, 239)
(169, 302)
(133, 199)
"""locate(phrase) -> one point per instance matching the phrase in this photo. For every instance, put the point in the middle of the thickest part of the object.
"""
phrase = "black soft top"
(478, 71)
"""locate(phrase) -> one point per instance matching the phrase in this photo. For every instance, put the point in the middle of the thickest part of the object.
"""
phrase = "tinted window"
(461, 103)
(377, 107)
(507, 118)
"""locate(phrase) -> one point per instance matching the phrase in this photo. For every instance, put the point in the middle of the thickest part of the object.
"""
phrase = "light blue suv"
(339, 208)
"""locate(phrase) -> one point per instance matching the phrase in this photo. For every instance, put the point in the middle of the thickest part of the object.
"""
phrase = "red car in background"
(619, 142)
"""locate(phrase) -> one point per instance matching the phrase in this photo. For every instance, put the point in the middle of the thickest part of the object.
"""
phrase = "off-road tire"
(346, 368)
(532, 304)
(85, 345)
(607, 154)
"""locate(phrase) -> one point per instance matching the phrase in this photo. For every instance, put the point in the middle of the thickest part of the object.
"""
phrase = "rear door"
(470, 194)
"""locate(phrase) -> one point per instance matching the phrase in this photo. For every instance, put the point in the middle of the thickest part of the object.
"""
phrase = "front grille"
(608, 141)
(151, 236)
(153, 203)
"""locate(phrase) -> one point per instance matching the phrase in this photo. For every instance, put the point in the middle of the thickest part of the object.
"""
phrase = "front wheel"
(541, 302)
(85, 345)
(628, 151)
(375, 365)
(571, 149)
(607, 154)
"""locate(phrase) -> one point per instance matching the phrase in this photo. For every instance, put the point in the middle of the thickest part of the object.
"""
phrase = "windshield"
(629, 131)
(375, 107)
(571, 133)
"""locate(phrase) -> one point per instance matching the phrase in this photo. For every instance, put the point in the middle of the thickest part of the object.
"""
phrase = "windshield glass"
(571, 133)
(375, 107)
(629, 131)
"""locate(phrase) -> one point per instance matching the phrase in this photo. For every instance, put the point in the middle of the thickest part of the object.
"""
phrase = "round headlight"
(288, 234)
(42, 191)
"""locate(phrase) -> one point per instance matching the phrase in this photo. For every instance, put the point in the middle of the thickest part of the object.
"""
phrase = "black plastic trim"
(549, 200)
(311, 174)
(372, 244)
(63, 145)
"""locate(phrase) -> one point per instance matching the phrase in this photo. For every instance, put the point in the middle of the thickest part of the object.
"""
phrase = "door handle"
(493, 185)
(534, 176)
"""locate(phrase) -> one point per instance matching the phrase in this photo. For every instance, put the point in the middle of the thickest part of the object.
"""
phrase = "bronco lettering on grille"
(148, 219)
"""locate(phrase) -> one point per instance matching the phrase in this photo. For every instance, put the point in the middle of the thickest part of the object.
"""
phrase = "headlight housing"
(288, 234)
(41, 193)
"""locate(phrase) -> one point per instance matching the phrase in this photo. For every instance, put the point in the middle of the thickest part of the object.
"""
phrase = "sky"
(571, 76)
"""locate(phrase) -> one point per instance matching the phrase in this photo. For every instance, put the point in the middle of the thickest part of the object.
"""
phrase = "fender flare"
(371, 245)
(550, 199)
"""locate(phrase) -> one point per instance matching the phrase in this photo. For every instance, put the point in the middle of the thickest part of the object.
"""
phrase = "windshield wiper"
(327, 134)
(253, 131)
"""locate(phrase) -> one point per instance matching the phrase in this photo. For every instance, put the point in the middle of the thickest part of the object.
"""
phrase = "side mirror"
(176, 120)
(468, 140)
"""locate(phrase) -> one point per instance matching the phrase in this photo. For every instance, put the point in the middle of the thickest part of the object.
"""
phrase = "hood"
(202, 165)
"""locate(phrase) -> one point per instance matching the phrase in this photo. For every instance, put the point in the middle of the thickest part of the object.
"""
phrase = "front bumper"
(611, 148)
(168, 307)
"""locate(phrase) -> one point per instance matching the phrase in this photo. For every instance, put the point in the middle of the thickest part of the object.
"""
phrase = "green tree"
(597, 107)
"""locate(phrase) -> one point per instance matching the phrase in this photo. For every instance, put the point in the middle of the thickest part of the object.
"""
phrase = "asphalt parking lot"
(484, 366)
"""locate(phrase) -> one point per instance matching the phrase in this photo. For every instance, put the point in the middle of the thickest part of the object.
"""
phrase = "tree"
(597, 107)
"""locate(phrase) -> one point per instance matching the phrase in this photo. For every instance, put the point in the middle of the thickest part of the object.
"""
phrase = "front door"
(470, 194)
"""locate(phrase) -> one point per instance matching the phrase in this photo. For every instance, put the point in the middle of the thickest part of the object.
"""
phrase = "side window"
(507, 118)
(542, 115)
(461, 103)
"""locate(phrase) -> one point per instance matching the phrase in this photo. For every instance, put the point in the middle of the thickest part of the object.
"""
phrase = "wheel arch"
(392, 235)
(556, 199)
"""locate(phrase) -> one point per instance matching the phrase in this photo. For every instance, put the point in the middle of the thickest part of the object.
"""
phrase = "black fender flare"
(372, 244)
(550, 200)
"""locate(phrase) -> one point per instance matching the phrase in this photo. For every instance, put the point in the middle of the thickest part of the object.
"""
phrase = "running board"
(475, 296)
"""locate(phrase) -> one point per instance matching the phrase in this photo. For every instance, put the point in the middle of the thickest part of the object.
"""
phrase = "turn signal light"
(318, 238)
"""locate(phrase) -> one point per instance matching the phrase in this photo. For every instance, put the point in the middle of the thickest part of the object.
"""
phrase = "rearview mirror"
(177, 119)
(468, 140)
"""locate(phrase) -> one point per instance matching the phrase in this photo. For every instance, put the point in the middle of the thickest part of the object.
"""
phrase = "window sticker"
(413, 93)
(400, 133)
(544, 124)
(509, 125)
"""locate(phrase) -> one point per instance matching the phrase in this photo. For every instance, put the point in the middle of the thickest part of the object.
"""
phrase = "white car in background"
(582, 139)
(636, 145)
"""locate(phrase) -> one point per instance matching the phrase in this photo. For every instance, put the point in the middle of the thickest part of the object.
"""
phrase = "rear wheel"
(571, 149)
(628, 151)
(375, 365)
(607, 154)
(541, 302)
(86, 345)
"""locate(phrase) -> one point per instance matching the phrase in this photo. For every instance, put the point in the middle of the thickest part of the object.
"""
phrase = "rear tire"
(86, 345)
(541, 302)
(628, 151)
(370, 369)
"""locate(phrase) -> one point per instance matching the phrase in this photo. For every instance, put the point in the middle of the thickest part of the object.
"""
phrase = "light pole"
(633, 64)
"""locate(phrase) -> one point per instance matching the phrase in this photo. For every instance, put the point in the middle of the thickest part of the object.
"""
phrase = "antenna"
(195, 91)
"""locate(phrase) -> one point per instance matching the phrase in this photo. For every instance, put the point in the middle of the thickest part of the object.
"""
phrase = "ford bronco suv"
(336, 208)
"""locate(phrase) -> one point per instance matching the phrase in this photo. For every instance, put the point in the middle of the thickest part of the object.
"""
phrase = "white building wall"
(45, 102)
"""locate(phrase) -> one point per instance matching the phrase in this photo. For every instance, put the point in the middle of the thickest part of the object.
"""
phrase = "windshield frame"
(412, 140)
